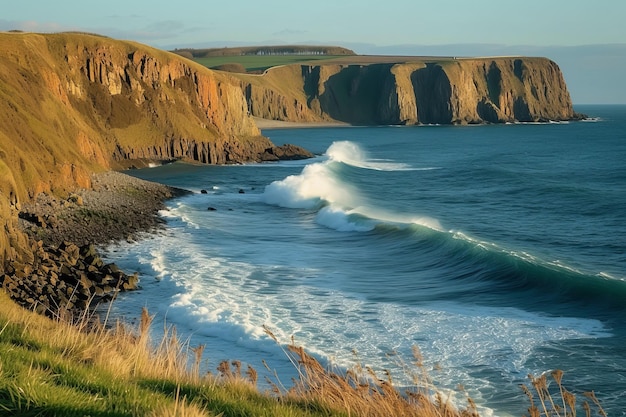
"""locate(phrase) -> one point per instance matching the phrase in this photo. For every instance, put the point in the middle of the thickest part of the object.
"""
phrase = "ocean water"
(499, 251)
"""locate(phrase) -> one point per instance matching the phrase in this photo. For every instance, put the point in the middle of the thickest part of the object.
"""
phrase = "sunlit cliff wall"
(450, 91)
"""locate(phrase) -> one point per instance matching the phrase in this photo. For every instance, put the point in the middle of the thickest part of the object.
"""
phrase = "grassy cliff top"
(256, 63)
(283, 50)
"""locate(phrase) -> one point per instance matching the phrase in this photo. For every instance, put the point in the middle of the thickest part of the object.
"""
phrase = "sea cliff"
(76, 104)
(443, 91)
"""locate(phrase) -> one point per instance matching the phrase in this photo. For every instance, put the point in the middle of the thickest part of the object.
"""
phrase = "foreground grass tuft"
(556, 400)
(56, 368)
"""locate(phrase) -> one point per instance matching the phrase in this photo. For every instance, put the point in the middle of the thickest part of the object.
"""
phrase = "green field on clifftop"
(260, 63)
(254, 63)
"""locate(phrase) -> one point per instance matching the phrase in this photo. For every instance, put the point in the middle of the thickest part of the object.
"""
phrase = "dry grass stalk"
(557, 402)
(359, 391)
(197, 359)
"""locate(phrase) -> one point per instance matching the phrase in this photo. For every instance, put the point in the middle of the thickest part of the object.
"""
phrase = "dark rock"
(33, 218)
(65, 274)
(211, 209)
(71, 280)
(111, 269)
(285, 152)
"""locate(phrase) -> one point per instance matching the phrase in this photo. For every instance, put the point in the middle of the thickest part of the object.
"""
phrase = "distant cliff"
(446, 91)
(73, 104)
(264, 50)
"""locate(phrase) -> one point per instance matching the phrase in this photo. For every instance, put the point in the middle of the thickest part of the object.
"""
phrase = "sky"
(458, 27)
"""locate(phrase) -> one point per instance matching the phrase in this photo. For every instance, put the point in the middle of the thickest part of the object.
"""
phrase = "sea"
(498, 251)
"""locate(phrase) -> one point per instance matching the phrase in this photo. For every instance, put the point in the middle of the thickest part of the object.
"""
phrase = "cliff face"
(485, 90)
(73, 104)
(282, 94)
(494, 91)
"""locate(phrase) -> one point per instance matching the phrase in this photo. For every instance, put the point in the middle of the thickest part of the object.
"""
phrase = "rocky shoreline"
(66, 275)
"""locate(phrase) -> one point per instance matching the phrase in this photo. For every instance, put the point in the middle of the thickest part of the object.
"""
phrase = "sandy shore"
(279, 124)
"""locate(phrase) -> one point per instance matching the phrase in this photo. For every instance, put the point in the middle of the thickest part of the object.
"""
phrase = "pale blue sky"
(492, 27)
(387, 22)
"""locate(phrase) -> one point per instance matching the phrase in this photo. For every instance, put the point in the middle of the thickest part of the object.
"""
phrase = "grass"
(260, 63)
(555, 400)
(50, 368)
(56, 368)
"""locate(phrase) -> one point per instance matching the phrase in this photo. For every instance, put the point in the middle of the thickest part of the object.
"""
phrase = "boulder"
(287, 152)
(72, 279)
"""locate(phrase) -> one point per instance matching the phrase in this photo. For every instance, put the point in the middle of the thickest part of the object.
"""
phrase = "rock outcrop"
(65, 280)
(63, 274)
(446, 91)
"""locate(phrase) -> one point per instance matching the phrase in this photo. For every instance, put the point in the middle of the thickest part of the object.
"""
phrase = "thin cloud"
(290, 32)
(33, 26)
(166, 29)
(168, 26)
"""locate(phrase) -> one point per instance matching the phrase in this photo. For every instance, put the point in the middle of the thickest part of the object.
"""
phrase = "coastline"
(117, 207)
(66, 274)
(264, 124)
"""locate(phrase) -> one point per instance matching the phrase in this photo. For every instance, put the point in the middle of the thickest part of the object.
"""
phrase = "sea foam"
(225, 303)
(314, 187)
(340, 205)
(351, 154)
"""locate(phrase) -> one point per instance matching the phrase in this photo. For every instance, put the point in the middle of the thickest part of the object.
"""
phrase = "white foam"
(317, 187)
(224, 303)
(330, 324)
(312, 188)
(519, 254)
(351, 154)
(610, 276)
(158, 264)
(384, 216)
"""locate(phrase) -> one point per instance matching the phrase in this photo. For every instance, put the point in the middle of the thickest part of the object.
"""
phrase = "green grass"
(50, 368)
(53, 368)
(259, 63)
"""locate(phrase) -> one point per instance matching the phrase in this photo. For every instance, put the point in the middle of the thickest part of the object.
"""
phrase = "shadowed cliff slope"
(414, 91)
(73, 104)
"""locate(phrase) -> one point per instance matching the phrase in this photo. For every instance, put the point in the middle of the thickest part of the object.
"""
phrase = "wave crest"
(339, 204)
(351, 154)
(314, 187)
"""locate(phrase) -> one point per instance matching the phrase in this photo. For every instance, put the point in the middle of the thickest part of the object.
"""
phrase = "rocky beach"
(67, 274)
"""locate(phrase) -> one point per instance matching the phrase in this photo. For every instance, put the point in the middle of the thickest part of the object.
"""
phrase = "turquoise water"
(498, 250)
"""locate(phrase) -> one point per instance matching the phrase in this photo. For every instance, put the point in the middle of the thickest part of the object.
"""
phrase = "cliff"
(74, 104)
(445, 91)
